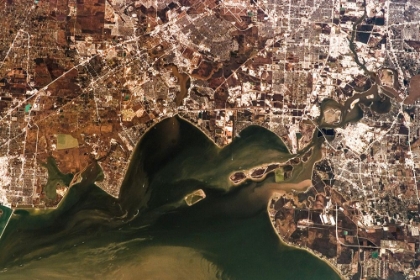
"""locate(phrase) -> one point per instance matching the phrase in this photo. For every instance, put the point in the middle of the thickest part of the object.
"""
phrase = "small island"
(195, 197)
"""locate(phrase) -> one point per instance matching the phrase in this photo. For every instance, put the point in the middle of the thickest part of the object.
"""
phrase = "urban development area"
(82, 80)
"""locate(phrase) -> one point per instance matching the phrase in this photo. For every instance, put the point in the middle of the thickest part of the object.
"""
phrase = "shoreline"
(309, 250)
(199, 128)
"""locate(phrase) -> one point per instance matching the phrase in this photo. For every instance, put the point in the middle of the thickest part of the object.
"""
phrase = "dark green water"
(150, 233)
(4, 218)
(55, 177)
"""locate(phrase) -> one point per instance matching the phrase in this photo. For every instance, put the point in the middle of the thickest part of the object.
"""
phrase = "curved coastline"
(253, 196)
(286, 187)
(309, 250)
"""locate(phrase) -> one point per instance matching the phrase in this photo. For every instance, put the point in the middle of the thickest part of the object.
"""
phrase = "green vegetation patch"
(279, 175)
(66, 141)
